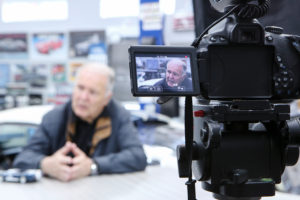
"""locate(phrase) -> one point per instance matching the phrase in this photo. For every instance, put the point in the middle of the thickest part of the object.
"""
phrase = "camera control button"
(159, 89)
(285, 72)
(180, 88)
(269, 38)
(213, 39)
(151, 89)
(282, 66)
(278, 59)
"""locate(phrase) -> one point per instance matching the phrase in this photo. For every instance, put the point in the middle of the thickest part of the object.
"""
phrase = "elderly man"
(176, 78)
(91, 134)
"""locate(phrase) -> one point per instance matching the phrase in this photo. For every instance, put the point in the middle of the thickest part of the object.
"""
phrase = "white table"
(156, 183)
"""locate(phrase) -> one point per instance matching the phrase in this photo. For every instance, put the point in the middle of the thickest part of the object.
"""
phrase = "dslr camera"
(244, 76)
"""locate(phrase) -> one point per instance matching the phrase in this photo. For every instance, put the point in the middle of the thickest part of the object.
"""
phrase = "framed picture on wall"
(58, 72)
(38, 75)
(19, 72)
(60, 93)
(73, 68)
(88, 44)
(48, 46)
(4, 74)
(13, 46)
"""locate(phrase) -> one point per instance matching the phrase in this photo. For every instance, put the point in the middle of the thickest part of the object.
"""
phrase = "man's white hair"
(103, 69)
(178, 62)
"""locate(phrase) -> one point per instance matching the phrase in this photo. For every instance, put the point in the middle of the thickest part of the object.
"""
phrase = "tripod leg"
(191, 189)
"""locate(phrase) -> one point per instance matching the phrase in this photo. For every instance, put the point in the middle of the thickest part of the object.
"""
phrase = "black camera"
(244, 76)
(237, 59)
(241, 59)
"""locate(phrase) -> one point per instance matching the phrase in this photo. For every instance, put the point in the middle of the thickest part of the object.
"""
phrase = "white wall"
(83, 15)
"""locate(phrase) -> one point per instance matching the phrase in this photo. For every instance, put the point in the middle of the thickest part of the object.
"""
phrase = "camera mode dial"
(274, 29)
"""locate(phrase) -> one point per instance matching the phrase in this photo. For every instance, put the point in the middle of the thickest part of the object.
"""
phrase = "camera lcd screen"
(163, 71)
(248, 75)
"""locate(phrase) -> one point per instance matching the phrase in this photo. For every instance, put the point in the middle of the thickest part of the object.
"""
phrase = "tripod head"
(235, 160)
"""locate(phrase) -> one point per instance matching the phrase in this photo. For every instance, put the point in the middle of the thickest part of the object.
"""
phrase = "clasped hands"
(62, 166)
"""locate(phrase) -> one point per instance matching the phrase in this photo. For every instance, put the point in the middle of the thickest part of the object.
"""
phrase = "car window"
(15, 135)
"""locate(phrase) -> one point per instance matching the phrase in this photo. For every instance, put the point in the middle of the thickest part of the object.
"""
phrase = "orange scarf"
(102, 130)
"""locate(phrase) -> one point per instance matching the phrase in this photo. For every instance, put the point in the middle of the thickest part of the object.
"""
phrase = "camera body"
(242, 60)
(238, 59)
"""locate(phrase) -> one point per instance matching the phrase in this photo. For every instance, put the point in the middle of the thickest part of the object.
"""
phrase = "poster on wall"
(88, 44)
(183, 23)
(151, 23)
(38, 75)
(73, 68)
(58, 72)
(19, 72)
(48, 46)
(13, 46)
(59, 93)
(4, 74)
(150, 15)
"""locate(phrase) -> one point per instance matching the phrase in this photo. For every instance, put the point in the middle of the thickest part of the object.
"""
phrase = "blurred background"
(44, 42)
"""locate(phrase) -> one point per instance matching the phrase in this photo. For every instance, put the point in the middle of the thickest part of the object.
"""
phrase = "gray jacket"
(121, 152)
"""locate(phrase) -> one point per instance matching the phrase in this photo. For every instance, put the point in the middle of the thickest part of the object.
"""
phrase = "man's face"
(89, 95)
(174, 74)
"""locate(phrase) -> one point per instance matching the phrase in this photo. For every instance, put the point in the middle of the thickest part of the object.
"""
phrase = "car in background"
(13, 45)
(156, 131)
(45, 47)
(17, 125)
(82, 48)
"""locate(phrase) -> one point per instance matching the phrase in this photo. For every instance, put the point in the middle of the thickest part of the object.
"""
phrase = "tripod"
(235, 161)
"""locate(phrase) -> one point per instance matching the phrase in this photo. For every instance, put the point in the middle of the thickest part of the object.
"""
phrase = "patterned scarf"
(102, 130)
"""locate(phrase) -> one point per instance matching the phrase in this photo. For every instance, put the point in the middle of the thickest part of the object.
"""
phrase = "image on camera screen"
(164, 73)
